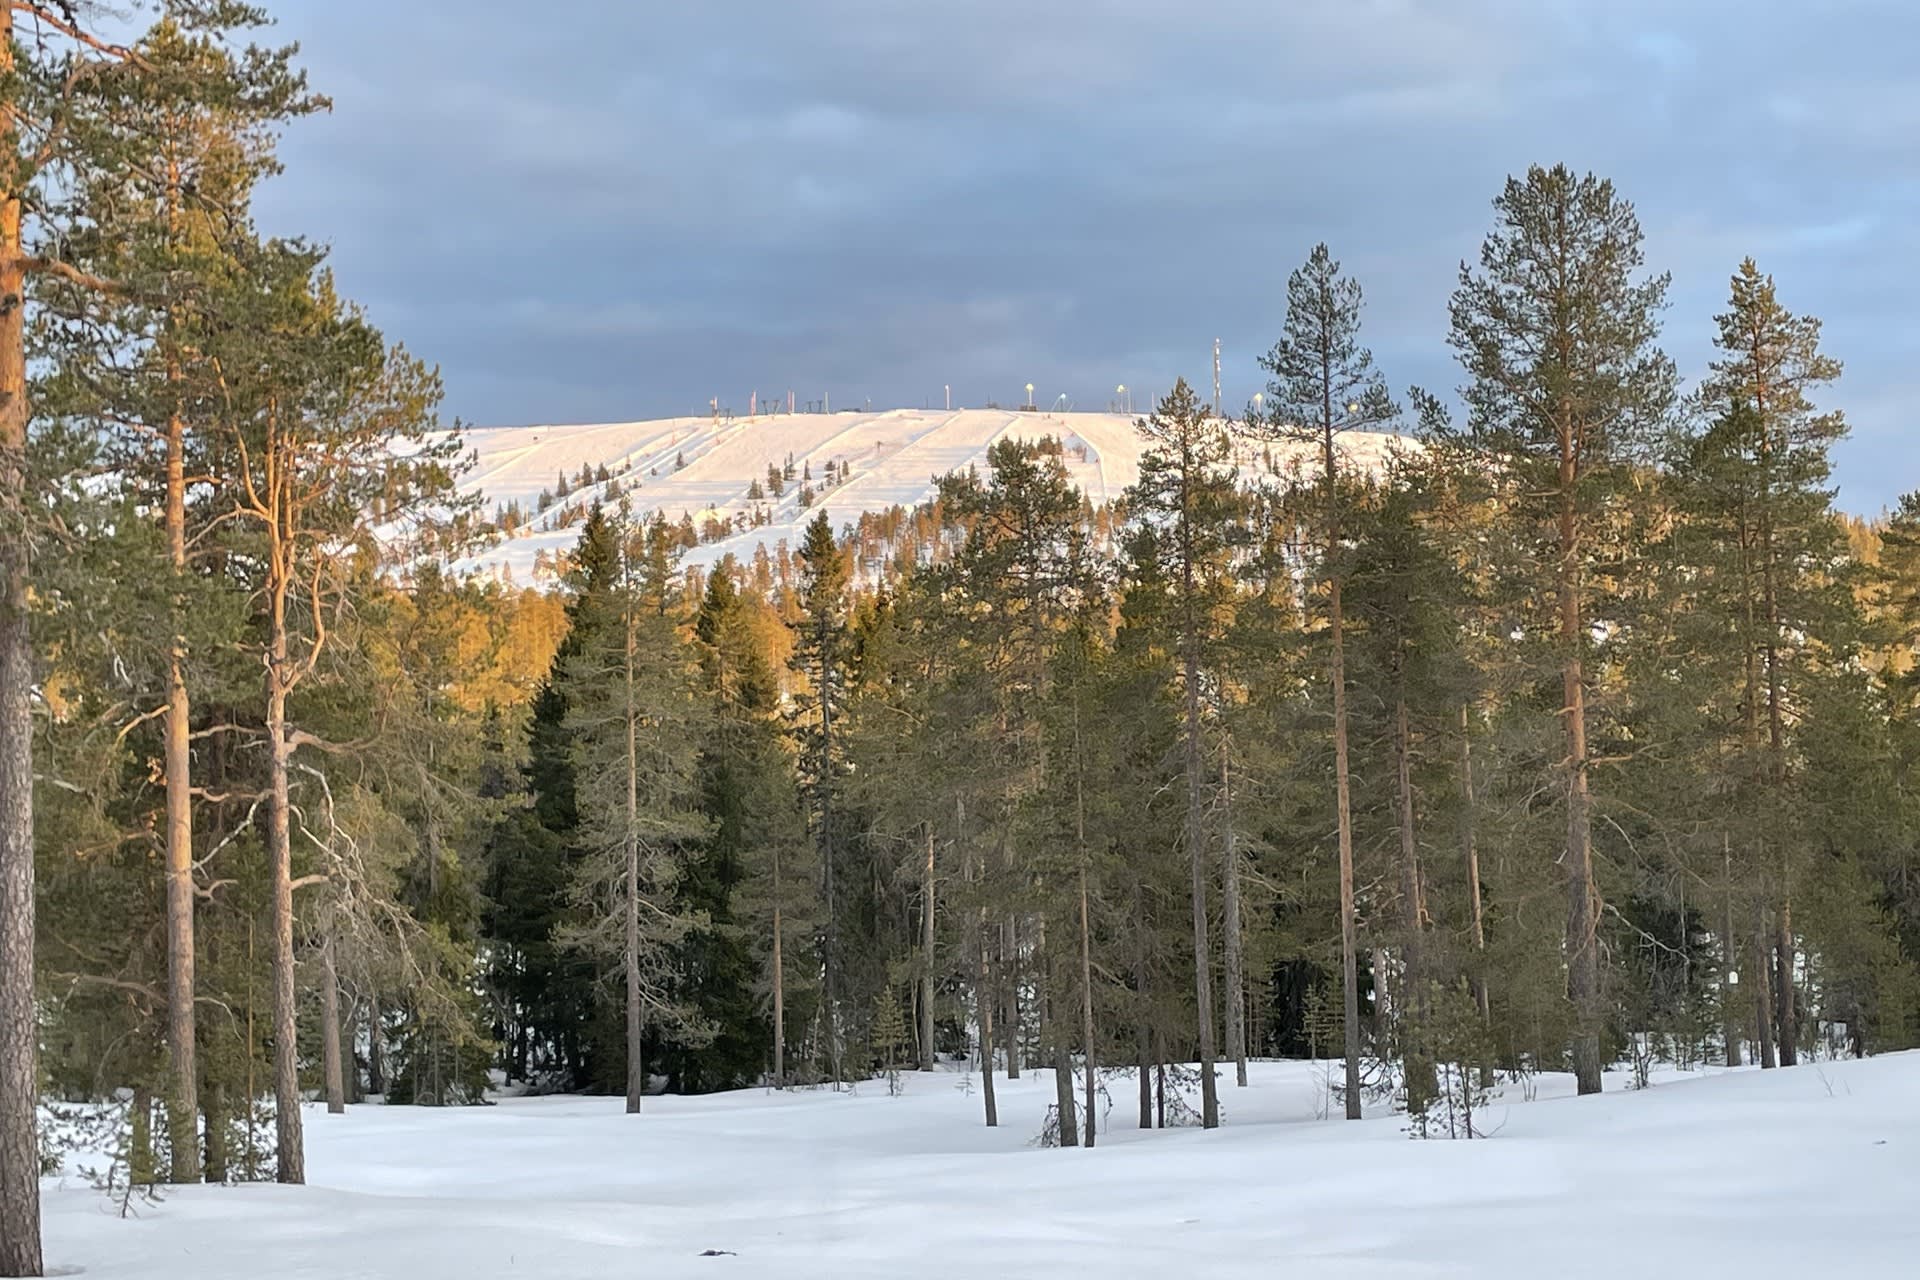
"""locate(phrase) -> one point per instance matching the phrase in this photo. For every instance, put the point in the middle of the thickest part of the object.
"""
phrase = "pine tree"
(1555, 329)
(1187, 495)
(1324, 384)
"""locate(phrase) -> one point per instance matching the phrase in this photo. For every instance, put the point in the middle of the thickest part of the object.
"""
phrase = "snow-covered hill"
(1804, 1172)
(852, 463)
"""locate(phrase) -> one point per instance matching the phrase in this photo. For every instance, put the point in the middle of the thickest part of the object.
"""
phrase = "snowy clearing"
(1806, 1171)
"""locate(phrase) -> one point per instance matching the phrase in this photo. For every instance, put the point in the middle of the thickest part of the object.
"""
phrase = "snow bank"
(1807, 1171)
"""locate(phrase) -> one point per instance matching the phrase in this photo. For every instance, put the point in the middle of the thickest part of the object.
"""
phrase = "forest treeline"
(1579, 734)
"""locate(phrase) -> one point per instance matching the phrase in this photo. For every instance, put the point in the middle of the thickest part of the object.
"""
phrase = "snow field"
(1806, 1171)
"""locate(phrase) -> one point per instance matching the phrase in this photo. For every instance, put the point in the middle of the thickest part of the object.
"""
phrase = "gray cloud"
(613, 210)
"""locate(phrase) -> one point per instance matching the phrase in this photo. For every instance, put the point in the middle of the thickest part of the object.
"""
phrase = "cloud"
(615, 210)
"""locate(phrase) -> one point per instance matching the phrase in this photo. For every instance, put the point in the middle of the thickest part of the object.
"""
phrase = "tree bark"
(926, 958)
(1729, 977)
(1342, 789)
(182, 1089)
(289, 1152)
(1787, 1023)
(1197, 860)
(1234, 998)
(1054, 1032)
(330, 1031)
(376, 1050)
(1009, 971)
(779, 995)
(1417, 1064)
(1470, 850)
(1143, 1048)
(983, 1000)
(1762, 994)
(214, 1108)
(1382, 1004)
(19, 1033)
(636, 1068)
(1086, 1006)
(1583, 894)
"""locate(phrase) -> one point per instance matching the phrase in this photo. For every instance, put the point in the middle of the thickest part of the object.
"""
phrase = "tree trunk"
(830, 987)
(1417, 1064)
(1762, 994)
(1086, 929)
(1787, 1024)
(141, 1169)
(19, 1034)
(779, 995)
(983, 988)
(289, 1153)
(1583, 894)
(376, 1049)
(1054, 1033)
(1197, 861)
(1382, 1004)
(1342, 788)
(1086, 1005)
(983, 1000)
(214, 1108)
(1342, 778)
(1729, 977)
(330, 1031)
(1143, 1048)
(1234, 998)
(1470, 850)
(1009, 971)
(636, 1068)
(926, 959)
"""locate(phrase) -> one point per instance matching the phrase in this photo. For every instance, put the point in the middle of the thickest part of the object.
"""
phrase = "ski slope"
(1807, 1171)
(894, 459)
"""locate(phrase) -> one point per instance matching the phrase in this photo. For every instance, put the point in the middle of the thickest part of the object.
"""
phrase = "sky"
(605, 210)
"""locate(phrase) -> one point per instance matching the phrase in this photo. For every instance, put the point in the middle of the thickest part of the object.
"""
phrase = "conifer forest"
(1564, 737)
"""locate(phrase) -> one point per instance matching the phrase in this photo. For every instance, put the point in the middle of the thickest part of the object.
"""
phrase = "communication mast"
(1216, 377)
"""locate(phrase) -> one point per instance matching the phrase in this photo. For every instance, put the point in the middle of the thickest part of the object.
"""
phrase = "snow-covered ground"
(1809, 1171)
(894, 458)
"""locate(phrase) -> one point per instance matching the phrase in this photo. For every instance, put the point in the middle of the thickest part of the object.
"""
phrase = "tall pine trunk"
(926, 958)
(983, 994)
(376, 1048)
(1417, 1062)
(289, 1153)
(1054, 1033)
(1143, 1047)
(330, 1031)
(1009, 971)
(1762, 994)
(779, 989)
(1234, 998)
(1086, 927)
(1730, 1020)
(1342, 777)
(636, 1068)
(1583, 894)
(1197, 860)
(1470, 851)
(1786, 1021)
(830, 985)
(19, 1034)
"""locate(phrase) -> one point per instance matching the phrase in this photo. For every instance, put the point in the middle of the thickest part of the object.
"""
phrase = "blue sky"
(605, 210)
